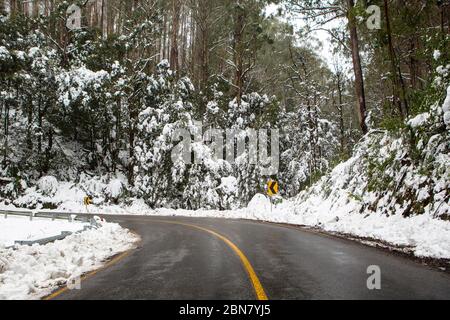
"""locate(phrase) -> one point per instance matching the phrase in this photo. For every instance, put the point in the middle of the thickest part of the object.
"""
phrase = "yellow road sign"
(87, 201)
(272, 188)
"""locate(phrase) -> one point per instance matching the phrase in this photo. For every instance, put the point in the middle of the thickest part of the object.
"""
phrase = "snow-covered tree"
(166, 108)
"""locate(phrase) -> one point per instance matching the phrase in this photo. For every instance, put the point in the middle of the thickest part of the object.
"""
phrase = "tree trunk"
(6, 120)
(48, 151)
(413, 65)
(238, 47)
(102, 18)
(398, 81)
(13, 7)
(40, 116)
(341, 113)
(359, 78)
(202, 53)
(175, 28)
(134, 115)
(30, 125)
(164, 36)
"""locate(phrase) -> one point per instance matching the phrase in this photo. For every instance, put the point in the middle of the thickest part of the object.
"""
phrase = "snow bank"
(23, 229)
(423, 235)
(68, 196)
(32, 272)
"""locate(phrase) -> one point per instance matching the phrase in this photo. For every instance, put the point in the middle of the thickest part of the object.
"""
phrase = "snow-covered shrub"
(310, 145)
(51, 194)
(78, 86)
(229, 189)
(114, 189)
(5, 58)
(229, 185)
(255, 112)
(446, 109)
(48, 185)
(165, 110)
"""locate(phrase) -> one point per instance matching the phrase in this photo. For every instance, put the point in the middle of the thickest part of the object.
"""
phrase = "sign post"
(272, 190)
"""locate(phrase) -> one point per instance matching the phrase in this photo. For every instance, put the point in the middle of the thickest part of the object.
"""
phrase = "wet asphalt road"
(181, 262)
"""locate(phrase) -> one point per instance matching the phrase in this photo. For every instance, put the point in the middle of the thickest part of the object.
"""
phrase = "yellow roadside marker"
(272, 188)
(87, 201)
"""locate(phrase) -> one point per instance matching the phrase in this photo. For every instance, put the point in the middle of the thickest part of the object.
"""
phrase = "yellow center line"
(257, 286)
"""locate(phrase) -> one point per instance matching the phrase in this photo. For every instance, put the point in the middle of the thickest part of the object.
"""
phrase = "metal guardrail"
(69, 216)
(43, 241)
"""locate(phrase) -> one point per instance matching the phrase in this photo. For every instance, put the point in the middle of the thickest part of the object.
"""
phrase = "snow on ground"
(53, 193)
(22, 228)
(423, 235)
(32, 272)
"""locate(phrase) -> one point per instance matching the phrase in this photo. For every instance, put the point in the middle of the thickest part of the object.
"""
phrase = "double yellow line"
(257, 286)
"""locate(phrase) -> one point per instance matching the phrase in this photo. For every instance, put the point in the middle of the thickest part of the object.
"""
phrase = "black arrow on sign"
(272, 186)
